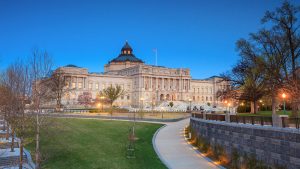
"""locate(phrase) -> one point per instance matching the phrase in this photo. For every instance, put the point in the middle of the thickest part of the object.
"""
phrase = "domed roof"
(126, 55)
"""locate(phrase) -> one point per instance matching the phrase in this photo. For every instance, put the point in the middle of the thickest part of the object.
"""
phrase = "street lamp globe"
(283, 95)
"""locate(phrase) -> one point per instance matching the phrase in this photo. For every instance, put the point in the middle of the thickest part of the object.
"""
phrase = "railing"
(216, 117)
(254, 120)
(291, 122)
(261, 120)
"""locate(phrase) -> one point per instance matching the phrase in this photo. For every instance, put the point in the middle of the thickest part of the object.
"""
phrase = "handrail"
(252, 119)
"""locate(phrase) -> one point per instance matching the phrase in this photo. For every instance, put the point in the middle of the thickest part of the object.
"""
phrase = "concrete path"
(170, 145)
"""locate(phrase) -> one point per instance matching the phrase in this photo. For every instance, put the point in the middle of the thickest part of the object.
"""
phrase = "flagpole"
(155, 57)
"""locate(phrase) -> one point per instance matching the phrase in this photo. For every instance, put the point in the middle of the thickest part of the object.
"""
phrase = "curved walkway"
(170, 145)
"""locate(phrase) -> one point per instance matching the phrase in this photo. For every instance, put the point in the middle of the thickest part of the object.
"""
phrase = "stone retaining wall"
(272, 145)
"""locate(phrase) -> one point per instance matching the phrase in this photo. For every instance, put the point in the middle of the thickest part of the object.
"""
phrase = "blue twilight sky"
(194, 34)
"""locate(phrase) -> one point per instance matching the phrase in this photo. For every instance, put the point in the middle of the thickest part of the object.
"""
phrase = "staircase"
(9, 159)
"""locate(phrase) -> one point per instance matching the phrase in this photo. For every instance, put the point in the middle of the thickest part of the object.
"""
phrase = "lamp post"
(142, 100)
(226, 104)
(283, 96)
(102, 98)
(190, 101)
(242, 105)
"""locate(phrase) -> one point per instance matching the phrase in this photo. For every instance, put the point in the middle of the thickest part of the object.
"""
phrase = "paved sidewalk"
(175, 152)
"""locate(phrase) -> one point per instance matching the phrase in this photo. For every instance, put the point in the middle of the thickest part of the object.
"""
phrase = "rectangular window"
(97, 86)
(79, 85)
(73, 85)
(90, 85)
(67, 84)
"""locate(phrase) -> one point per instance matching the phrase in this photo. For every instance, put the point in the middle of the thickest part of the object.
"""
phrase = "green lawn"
(265, 113)
(95, 144)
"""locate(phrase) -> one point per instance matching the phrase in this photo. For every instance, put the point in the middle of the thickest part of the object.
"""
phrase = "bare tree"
(17, 82)
(57, 85)
(40, 68)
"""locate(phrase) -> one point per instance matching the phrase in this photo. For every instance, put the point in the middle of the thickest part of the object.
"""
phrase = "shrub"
(218, 151)
(93, 111)
(171, 104)
(235, 159)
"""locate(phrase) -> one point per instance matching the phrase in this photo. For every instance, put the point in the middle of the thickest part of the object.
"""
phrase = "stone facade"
(272, 145)
(144, 84)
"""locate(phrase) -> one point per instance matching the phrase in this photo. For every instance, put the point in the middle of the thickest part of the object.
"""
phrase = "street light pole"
(284, 96)
(190, 100)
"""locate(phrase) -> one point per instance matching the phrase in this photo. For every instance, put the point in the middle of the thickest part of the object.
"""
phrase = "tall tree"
(18, 84)
(246, 77)
(40, 68)
(57, 84)
(271, 47)
(285, 24)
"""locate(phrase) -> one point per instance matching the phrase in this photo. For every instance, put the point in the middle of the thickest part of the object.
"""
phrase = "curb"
(206, 158)
(155, 147)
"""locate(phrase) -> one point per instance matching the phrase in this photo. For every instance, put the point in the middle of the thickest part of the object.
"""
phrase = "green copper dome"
(126, 55)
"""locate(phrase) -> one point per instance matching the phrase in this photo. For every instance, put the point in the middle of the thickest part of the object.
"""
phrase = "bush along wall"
(231, 155)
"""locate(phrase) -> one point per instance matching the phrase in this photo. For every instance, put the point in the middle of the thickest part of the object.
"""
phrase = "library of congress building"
(141, 82)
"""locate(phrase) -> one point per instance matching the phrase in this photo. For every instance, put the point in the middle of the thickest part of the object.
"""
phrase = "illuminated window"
(97, 86)
(79, 85)
(67, 84)
(73, 85)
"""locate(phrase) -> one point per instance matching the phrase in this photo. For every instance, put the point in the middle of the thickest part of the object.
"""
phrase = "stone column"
(163, 83)
(151, 83)
(76, 82)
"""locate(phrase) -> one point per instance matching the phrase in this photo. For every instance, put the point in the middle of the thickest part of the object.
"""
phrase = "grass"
(96, 144)
(148, 115)
(265, 113)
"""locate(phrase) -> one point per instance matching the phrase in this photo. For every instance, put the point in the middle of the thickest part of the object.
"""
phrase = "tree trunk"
(4, 124)
(21, 154)
(7, 131)
(111, 110)
(12, 146)
(37, 148)
(273, 104)
(253, 107)
(294, 108)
